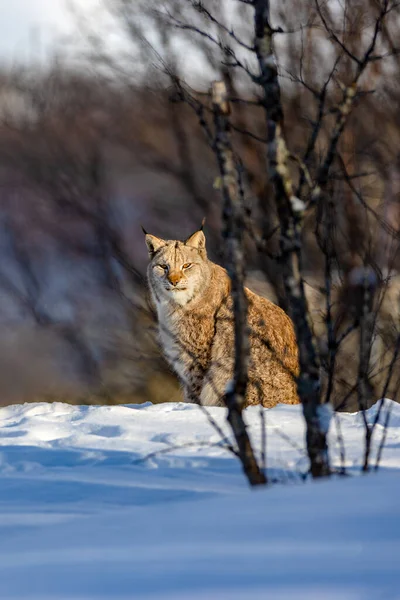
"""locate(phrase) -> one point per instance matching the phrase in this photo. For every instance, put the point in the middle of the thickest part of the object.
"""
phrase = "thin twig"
(143, 459)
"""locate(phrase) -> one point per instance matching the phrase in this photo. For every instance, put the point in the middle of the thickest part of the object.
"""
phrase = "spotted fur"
(194, 306)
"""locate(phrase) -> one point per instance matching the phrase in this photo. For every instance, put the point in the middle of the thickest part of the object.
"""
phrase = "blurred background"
(94, 142)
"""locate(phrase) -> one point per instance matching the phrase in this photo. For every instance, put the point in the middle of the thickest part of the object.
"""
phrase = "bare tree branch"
(233, 233)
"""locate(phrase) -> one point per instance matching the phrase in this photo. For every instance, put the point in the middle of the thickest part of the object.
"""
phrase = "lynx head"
(178, 271)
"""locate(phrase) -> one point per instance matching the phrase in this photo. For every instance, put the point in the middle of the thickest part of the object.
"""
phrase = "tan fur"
(194, 309)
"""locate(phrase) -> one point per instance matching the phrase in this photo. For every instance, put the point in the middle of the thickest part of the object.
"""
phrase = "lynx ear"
(153, 244)
(197, 240)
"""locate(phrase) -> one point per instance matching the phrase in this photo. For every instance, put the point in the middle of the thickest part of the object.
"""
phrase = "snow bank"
(83, 516)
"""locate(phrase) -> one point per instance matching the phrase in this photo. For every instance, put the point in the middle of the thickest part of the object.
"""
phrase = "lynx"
(192, 298)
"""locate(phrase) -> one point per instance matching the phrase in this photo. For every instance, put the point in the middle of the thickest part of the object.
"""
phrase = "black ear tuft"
(202, 224)
(143, 229)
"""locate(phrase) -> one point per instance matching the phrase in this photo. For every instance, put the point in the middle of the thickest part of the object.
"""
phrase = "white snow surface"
(83, 517)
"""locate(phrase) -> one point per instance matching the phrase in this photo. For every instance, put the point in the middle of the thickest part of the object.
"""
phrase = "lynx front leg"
(215, 383)
(193, 385)
(189, 397)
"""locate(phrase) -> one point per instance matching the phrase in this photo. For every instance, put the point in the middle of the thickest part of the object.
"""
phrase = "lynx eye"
(186, 266)
(161, 267)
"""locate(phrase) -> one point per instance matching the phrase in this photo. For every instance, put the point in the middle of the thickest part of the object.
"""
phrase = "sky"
(29, 28)
(33, 30)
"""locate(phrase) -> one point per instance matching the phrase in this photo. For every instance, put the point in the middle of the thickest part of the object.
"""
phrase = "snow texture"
(83, 517)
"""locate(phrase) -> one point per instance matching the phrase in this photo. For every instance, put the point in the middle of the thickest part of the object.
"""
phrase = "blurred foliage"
(92, 149)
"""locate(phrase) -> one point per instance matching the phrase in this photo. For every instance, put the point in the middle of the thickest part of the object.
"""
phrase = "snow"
(84, 517)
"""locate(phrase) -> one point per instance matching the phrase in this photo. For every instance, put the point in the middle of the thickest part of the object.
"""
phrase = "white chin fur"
(181, 297)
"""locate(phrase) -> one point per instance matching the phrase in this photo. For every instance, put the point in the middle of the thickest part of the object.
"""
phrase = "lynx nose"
(174, 278)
